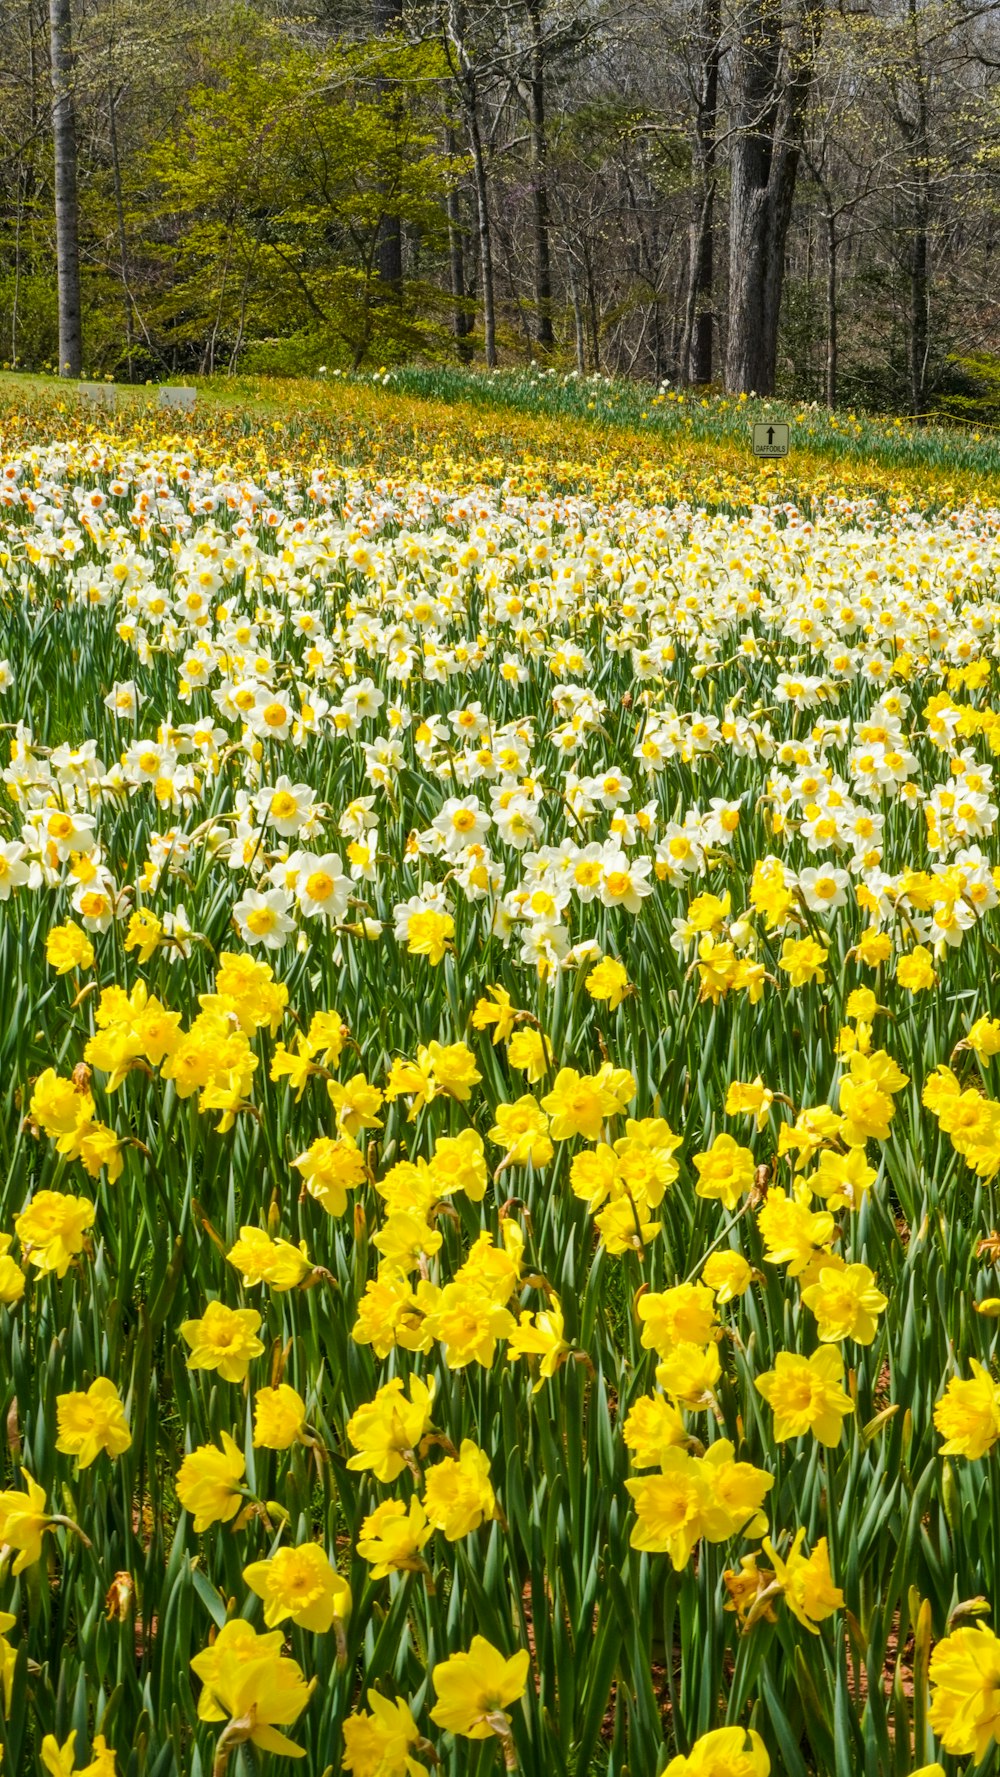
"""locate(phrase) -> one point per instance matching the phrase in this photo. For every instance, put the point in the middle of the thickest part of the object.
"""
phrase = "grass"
(534, 427)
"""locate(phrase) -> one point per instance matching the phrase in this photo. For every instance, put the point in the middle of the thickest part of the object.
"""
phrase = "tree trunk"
(579, 338)
(120, 220)
(919, 301)
(540, 181)
(772, 87)
(461, 316)
(389, 255)
(656, 322)
(696, 342)
(469, 95)
(592, 314)
(919, 255)
(699, 318)
(830, 386)
(485, 234)
(67, 218)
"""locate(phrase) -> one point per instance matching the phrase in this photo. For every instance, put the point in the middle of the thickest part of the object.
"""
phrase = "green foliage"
(976, 394)
(273, 189)
(29, 331)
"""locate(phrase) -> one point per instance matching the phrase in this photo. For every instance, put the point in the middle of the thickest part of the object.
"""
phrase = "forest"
(799, 197)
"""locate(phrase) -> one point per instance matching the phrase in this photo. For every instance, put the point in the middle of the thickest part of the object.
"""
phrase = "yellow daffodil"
(91, 1421)
(475, 1690)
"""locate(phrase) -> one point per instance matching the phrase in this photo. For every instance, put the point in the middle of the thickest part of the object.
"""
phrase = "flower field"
(499, 1251)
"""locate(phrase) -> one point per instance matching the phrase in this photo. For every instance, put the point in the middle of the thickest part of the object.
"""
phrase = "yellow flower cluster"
(496, 1232)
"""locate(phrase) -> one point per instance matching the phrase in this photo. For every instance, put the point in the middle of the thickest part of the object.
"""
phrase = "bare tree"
(699, 316)
(852, 259)
(388, 18)
(540, 178)
(773, 78)
(67, 215)
(467, 85)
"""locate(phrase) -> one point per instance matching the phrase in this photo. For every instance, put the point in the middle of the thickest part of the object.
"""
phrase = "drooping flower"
(23, 1522)
(392, 1537)
(653, 1426)
(794, 1233)
(379, 1743)
(12, 1279)
(689, 1374)
(68, 947)
(608, 981)
(753, 1100)
(522, 1130)
(725, 1752)
(209, 1483)
(531, 1054)
(357, 1103)
(916, 972)
(806, 1581)
(475, 1689)
(330, 1169)
(540, 1335)
(260, 1259)
(427, 932)
(251, 1685)
(727, 1274)
(842, 1179)
(496, 1009)
(803, 960)
(387, 1430)
(279, 1417)
(624, 1228)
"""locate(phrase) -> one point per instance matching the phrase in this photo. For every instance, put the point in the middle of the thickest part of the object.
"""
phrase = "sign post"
(170, 395)
(99, 394)
(770, 439)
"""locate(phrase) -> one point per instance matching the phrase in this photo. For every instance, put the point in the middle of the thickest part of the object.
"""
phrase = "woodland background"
(791, 196)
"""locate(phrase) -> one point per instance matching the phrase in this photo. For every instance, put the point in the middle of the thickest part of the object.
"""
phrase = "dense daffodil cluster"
(498, 1240)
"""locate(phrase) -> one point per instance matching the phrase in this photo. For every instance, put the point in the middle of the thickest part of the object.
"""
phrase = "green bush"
(29, 325)
(975, 395)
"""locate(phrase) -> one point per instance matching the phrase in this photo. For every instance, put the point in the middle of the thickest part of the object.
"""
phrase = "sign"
(179, 397)
(99, 394)
(770, 439)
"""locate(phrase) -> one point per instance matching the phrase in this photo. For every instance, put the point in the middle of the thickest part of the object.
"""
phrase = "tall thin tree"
(389, 18)
(773, 77)
(466, 83)
(67, 211)
(699, 316)
(540, 179)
